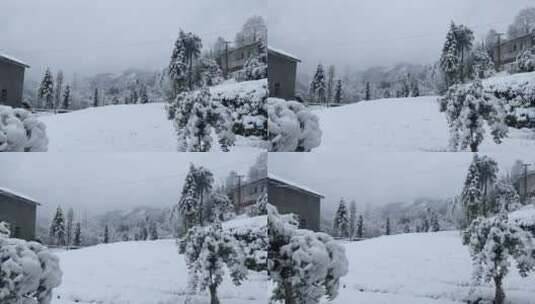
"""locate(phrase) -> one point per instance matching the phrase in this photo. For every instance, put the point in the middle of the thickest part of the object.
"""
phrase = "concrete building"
(282, 74)
(287, 196)
(11, 81)
(505, 52)
(19, 212)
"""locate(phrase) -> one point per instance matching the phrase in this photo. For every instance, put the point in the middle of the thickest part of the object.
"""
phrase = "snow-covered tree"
(318, 87)
(259, 169)
(330, 82)
(388, 229)
(260, 206)
(208, 72)
(338, 93)
(352, 219)
(467, 108)
(153, 231)
(253, 29)
(206, 251)
(192, 51)
(367, 92)
(197, 186)
(57, 229)
(493, 243)
(222, 208)
(66, 97)
(4, 230)
(482, 64)
(59, 90)
(106, 238)
(78, 235)
(28, 272)
(450, 59)
(178, 69)
(360, 227)
(505, 196)
(523, 24)
(46, 90)
(292, 127)
(525, 61)
(69, 229)
(96, 98)
(341, 220)
(304, 266)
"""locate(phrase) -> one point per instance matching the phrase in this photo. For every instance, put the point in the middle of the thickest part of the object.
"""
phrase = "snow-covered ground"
(117, 128)
(419, 268)
(400, 125)
(144, 272)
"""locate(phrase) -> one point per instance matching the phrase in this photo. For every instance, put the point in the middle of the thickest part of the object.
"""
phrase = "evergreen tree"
(96, 101)
(144, 97)
(70, 228)
(78, 235)
(367, 93)
(339, 93)
(66, 97)
(106, 235)
(192, 50)
(178, 69)
(387, 228)
(46, 90)
(482, 64)
(341, 220)
(352, 219)
(59, 89)
(197, 186)
(318, 86)
(221, 206)
(330, 83)
(153, 231)
(360, 227)
(57, 229)
(449, 60)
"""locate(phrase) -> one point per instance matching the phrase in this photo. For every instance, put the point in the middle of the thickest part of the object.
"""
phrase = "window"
(302, 223)
(3, 96)
(277, 89)
(15, 233)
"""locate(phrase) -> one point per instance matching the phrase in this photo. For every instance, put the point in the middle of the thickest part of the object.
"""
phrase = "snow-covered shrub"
(197, 116)
(20, 131)
(4, 230)
(260, 206)
(518, 94)
(467, 107)
(292, 127)
(525, 61)
(493, 242)
(28, 272)
(304, 266)
(254, 244)
(207, 250)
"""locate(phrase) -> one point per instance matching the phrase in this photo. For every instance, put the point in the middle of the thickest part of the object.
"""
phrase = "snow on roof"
(293, 184)
(18, 195)
(13, 59)
(283, 53)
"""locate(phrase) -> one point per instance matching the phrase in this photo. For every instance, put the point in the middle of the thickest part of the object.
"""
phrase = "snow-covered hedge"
(292, 127)
(28, 272)
(20, 131)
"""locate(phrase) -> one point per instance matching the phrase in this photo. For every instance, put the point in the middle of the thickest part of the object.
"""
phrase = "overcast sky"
(366, 33)
(379, 178)
(102, 182)
(109, 36)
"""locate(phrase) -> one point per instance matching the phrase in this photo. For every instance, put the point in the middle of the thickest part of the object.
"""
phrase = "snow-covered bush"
(28, 272)
(207, 250)
(4, 230)
(292, 127)
(525, 61)
(260, 206)
(254, 243)
(467, 107)
(304, 266)
(20, 131)
(493, 242)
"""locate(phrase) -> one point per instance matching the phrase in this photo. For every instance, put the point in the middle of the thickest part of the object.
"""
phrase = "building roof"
(283, 54)
(294, 185)
(13, 60)
(19, 196)
(512, 40)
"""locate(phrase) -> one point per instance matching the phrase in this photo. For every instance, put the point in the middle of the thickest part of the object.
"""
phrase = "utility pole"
(525, 196)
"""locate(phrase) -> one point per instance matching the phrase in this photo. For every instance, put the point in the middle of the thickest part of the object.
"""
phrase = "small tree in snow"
(70, 227)
(341, 220)
(96, 101)
(106, 234)
(352, 219)
(318, 87)
(197, 187)
(78, 235)
(493, 242)
(46, 90)
(467, 108)
(59, 90)
(360, 227)
(221, 206)
(67, 97)
(505, 197)
(387, 227)
(339, 92)
(178, 68)
(482, 64)
(57, 229)
(525, 61)
(304, 266)
(153, 231)
(207, 250)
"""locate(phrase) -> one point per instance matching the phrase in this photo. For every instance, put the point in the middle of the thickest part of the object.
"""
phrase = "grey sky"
(379, 178)
(99, 182)
(364, 33)
(109, 36)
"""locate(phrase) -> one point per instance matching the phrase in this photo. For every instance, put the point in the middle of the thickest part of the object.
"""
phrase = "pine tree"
(330, 83)
(367, 93)
(177, 68)
(222, 207)
(46, 90)
(59, 89)
(341, 220)
(78, 235)
(318, 86)
(197, 185)
(449, 60)
(192, 50)
(106, 235)
(339, 93)
(96, 98)
(352, 219)
(144, 97)
(360, 227)
(387, 228)
(153, 231)
(69, 228)
(482, 64)
(57, 229)
(66, 97)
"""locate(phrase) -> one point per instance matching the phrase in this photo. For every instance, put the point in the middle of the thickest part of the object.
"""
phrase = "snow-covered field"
(400, 125)
(144, 272)
(117, 128)
(419, 268)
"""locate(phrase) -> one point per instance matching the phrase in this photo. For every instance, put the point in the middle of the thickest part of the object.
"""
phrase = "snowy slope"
(146, 272)
(418, 268)
(400, 125)
(117, 128)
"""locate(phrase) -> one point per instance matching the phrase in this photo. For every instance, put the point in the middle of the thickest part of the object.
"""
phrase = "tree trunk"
(500, 294)
(288, 293)
(213, 294)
